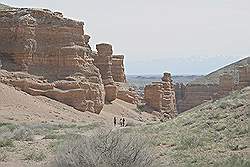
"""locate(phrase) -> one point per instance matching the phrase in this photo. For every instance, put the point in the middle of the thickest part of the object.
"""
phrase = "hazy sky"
(180, 36)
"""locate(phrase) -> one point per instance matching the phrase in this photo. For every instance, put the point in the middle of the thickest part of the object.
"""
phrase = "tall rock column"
(118, 68)
(168, 99)
(161, 96)
(103, 62)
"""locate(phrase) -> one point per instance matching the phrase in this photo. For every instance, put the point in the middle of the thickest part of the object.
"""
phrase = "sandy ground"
(19, 107)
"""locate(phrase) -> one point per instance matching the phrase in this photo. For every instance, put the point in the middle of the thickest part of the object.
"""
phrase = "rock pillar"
(103, 62)
(118, 68)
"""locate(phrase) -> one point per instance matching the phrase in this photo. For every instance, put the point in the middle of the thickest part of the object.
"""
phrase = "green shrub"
(5, 142)
(35, 156)
(23, 134)
(234, 161)
(189, 142)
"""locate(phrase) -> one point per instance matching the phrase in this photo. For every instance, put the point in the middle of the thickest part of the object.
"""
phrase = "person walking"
(114, 121)
(123, 122)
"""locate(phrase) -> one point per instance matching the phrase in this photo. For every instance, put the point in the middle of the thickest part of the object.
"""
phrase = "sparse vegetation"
(35, 156)
(234, 161)
(189, 141)
(205, 135)
(23, 134)
(6, 142)
(3, 156)
(212, 134)
(89, 126)
(113, 149)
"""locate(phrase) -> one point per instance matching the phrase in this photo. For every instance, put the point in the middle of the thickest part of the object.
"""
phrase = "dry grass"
(105, 149)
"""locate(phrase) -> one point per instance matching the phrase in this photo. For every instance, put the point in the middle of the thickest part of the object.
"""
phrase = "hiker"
(123, 122)
(114, 121)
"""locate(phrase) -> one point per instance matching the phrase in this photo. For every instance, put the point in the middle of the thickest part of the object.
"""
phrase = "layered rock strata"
(117, 69)
(43, 43)
(226, 84)
(195, 94)
(161, 96)
(127, 93)
(244, 75)
(103, 62)
(191, 95)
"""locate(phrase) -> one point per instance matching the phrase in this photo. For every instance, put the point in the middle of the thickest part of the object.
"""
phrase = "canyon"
(213, 86)
(43, 53)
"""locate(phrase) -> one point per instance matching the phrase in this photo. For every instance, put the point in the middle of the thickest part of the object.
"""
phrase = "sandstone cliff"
(45, 44)
(213, 86)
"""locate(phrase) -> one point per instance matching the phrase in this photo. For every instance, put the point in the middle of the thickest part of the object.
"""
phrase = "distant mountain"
(142, 80)
(213, 77)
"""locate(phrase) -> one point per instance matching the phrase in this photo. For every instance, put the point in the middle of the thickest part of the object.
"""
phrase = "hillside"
(31, 127)
(213, 77)
(212, 134)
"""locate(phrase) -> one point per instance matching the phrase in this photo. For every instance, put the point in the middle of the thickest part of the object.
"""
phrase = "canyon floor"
(212, 134)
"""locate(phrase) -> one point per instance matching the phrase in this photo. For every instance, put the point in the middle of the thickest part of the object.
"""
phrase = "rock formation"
(118, 68)
(128, 95)
(179, 93)
(43, 43)
(103, 62)
(244, 75)
(226, 84)
(168, 98)
(213, 86)
(195, 94)
(161, 96)
(153, 94)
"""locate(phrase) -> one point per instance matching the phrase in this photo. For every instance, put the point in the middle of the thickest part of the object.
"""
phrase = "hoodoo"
(103, 62)
(118, 68)
(161, 96)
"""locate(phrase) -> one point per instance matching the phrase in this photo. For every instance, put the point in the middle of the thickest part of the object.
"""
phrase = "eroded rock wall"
(161, 96)
(118, 73)
(193, 95)
(244, 75)
(43, 43)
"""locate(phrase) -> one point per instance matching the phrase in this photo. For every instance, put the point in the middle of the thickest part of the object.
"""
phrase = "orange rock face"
(161, 95)
(103, 62)
(118, 73)
(128, 95)
(43, 43)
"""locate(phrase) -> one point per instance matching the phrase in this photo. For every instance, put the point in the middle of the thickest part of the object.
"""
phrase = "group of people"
(122, 122)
